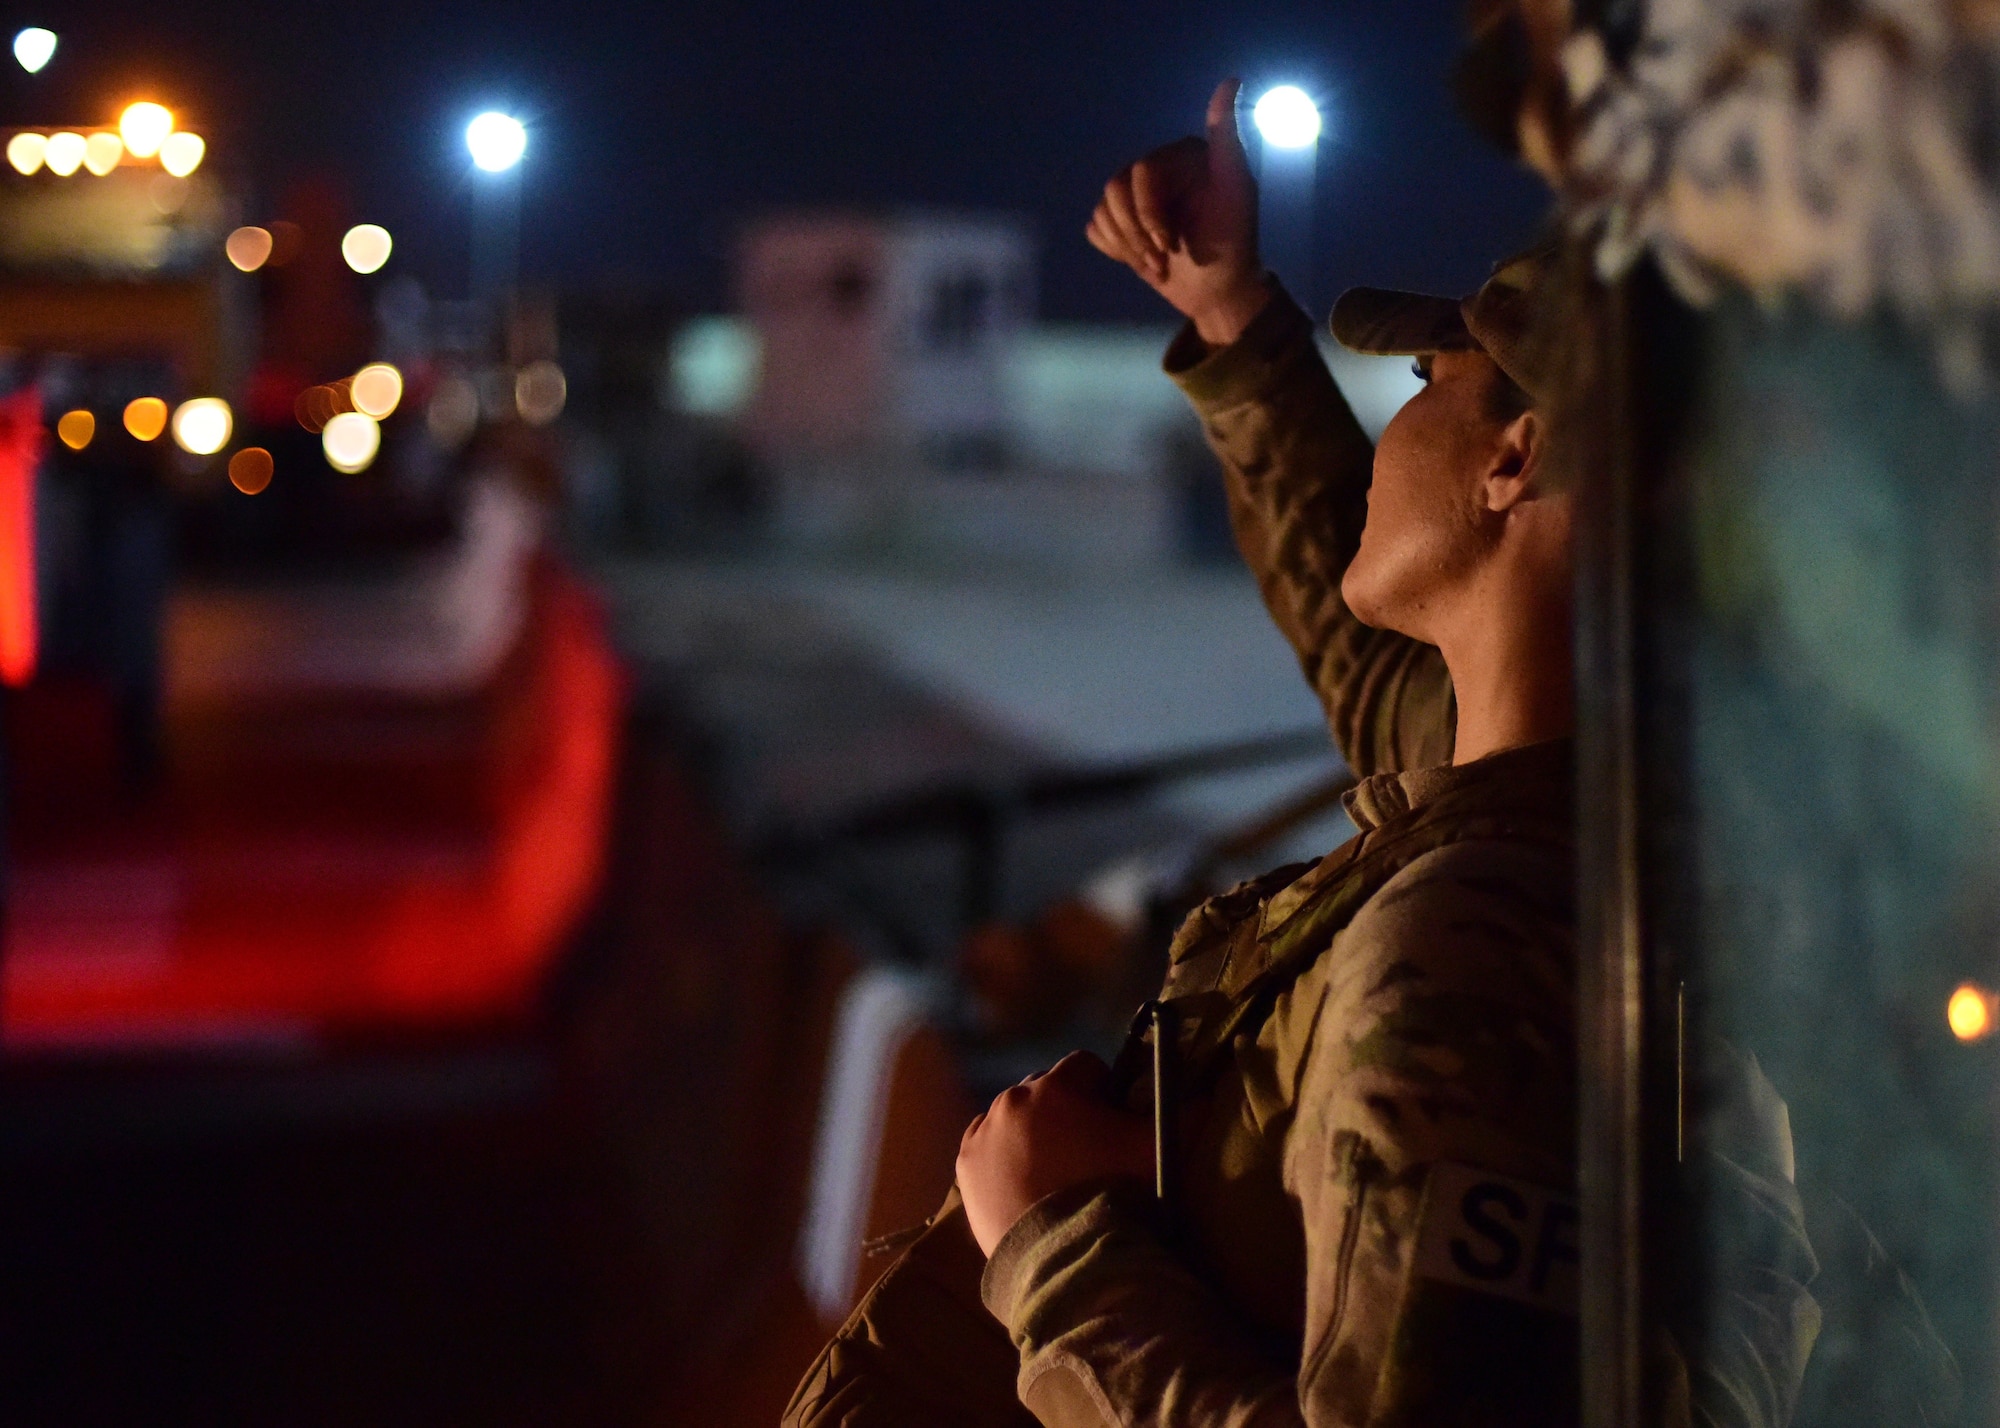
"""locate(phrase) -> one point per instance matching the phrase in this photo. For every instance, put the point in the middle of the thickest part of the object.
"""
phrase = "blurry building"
(891, 375)
(885, 335)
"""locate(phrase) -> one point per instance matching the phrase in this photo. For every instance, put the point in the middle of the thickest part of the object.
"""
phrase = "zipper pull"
(1166, 1108)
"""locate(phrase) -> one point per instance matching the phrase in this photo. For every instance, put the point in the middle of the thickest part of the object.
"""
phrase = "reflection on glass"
(1824, 720)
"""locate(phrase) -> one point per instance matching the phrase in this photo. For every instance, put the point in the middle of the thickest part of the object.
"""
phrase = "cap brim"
(1397, 324)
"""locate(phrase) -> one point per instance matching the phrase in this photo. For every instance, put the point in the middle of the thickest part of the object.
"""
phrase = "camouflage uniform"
(1378, 1222)
(1378, 1054)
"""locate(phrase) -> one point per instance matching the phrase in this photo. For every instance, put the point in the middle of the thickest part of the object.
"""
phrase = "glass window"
(1812, 646)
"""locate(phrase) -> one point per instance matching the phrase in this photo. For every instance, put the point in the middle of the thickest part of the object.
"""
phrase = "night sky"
(656, 129)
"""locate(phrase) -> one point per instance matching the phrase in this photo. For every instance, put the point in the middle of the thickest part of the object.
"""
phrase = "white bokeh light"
(366, 247)
(1287, 118)
(181, 153)
(34, 47)
(144, 127)
(202, 426)
(350, 442)
(377, 390)
(64, 154)
(26, 152)
(497, 141)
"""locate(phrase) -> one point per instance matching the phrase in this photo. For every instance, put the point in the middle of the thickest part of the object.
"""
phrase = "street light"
(496, 141)
(1286, 117)
(1288, 124)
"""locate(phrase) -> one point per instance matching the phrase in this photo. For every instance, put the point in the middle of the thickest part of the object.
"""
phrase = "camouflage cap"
(1496, 320)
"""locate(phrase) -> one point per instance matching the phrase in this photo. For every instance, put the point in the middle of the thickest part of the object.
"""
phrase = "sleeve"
(919, 1349)
(1114, 1329)
(1297, 466)
(1426, 1070)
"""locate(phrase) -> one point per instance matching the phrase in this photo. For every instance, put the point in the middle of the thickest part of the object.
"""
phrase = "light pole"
(1288, 126)
(497, 143)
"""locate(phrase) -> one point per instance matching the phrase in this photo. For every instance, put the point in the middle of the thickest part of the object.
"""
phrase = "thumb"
(1228, 165)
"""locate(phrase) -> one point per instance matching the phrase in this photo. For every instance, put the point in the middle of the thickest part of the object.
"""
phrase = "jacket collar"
(1381, 797)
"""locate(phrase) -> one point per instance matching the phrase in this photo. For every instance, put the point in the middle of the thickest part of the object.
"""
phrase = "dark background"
(656, 128)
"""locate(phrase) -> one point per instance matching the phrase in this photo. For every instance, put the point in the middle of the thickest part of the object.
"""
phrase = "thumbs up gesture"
(1184, 218)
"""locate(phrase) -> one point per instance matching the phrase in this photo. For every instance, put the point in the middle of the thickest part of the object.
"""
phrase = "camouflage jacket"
(1377, 1223)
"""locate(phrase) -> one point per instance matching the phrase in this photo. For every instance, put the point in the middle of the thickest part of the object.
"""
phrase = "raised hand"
(1184, 218)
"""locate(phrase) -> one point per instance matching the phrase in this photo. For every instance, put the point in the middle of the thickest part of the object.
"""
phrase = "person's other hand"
(1184, 218)
(1050, 1132)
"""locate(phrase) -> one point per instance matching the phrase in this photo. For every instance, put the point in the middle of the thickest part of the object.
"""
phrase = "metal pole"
(1611, 973)
(496, 244)
(1285, 218)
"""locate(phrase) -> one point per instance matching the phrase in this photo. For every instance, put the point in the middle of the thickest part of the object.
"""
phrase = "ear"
(1516, 462)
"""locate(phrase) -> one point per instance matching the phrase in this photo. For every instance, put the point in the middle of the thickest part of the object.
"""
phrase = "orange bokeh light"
(1970, 1012)
(248, 248)
(146, 418)
(376, 390)
(250, 470)
(75, 429)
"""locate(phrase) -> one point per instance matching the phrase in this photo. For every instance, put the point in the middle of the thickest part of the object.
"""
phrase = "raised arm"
(1296, 462)
(1296, 467)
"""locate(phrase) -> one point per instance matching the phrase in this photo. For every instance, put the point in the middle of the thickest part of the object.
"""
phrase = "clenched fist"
(1052, 1131)
(1184, 218)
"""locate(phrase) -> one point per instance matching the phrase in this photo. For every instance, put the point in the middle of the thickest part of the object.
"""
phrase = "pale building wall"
(811, 288)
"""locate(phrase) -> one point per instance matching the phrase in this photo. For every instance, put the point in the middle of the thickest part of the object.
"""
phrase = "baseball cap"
(1497, 320)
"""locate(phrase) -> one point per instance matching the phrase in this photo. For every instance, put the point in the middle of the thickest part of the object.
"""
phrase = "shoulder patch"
(1496, 1235)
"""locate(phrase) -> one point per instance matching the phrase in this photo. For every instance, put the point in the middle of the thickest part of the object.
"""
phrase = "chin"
(1363, 602)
